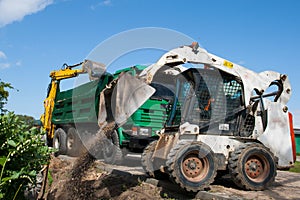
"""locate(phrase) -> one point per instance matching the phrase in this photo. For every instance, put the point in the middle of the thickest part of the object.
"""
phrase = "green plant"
(50, 178)
(296, 167)
(22, 155)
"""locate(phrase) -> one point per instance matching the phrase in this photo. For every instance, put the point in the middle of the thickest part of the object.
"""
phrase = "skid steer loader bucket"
(94, 69)
(124, 96)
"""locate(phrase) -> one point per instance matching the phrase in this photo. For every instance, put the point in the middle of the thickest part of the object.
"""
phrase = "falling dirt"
(79, 178)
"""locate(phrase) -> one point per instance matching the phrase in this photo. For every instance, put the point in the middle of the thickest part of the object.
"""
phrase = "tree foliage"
(29, 120)
(23, 152)
(22, 155)
(4, 95)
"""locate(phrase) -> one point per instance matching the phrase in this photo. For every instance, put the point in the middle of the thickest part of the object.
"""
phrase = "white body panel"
(277, 135)
(220, 144)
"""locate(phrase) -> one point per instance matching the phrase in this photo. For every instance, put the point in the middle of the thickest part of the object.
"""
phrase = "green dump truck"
(74, 115)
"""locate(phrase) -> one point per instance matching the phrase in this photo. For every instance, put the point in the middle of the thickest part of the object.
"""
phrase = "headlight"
(141, 131)
(144, 131)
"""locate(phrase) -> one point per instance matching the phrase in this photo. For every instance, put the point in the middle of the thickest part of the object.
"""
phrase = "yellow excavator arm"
(56, 76)
(87, 66)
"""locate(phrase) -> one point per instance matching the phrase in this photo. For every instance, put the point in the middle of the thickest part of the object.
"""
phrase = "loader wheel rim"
(257, 168)
(195, 168)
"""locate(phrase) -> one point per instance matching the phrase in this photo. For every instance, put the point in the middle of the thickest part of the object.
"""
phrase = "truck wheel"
(149, 165)
(252, 167)
(112, 153)
(74, 145)
(59, 142)
(192, 165)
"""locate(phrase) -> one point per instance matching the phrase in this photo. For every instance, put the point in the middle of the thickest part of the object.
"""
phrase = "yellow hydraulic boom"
(56, 76)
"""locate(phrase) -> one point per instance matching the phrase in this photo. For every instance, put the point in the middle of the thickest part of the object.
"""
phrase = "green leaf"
(2, 160)
(5, 179)
(32, 173)
(21, 138)
(12, 143)
(16, 175)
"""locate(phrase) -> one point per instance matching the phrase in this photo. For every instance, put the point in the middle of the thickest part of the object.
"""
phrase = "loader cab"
(213, 100)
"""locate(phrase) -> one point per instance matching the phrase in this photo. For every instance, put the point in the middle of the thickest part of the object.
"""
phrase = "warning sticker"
(228, 64)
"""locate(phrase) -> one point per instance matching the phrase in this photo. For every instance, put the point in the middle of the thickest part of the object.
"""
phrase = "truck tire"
(74, 145)
(112, 153)
(252, 167)
(149, 165)
(59, 142)
(192, 165)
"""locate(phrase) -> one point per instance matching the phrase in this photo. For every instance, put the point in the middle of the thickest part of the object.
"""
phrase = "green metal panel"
(80, 104)
(297, 137)
(122, 137)
(132, 70)
(152, 114)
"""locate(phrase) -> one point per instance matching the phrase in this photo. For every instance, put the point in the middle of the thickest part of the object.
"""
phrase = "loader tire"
(252, 167)
(60, 142)
(148, 163)
(192, 165)
(112, 153)
(74, 144)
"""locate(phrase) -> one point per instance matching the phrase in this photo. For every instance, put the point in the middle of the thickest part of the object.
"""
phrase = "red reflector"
(292, 135)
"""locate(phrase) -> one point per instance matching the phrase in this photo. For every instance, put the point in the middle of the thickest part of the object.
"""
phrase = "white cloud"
(2, 55)
(19, 63)
(102, 3)
(16, 10)
(106, 2)
(4, 65)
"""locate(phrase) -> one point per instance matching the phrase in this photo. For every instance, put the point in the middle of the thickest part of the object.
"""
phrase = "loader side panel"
(277, 135)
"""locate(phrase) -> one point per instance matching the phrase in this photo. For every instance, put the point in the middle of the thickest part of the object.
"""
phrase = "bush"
(22, 155)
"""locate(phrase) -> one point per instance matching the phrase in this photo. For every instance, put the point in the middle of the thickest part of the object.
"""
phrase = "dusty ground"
(96, 183)
(96, 180)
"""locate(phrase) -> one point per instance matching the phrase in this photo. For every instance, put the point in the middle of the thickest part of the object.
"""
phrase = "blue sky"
(40, 35)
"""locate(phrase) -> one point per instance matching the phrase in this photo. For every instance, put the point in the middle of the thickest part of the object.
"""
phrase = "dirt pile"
(82, 179)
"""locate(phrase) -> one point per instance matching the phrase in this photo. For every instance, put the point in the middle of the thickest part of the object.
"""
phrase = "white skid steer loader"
(233, 120)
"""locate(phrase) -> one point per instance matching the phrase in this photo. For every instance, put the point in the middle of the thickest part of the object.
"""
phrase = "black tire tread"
(171, 158)
(146, 156)
(62, 138)
(148, 165)
(117, 156)
(233, 165)
(77, 145)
